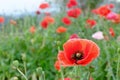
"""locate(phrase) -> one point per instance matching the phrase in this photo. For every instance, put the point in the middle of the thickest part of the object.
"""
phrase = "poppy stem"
(77, 72)
(22, 73)
(118, 64)
(61, 72)
(89, 75)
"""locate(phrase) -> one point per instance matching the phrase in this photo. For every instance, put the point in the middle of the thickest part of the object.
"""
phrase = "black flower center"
(77, 56)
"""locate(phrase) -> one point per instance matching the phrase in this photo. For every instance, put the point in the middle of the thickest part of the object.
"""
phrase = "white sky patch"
(19, 6)
(118, 0)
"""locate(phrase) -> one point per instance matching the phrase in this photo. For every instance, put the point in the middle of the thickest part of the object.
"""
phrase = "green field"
(34, 54)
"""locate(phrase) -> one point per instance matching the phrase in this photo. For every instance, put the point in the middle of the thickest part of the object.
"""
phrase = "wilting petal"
(98, 35)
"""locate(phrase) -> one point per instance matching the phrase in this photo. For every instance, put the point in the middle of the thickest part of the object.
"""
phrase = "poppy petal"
(63, 60)
(91, 52)
(72, 46)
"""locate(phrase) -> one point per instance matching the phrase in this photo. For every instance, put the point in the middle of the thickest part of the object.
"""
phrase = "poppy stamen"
(77, 56)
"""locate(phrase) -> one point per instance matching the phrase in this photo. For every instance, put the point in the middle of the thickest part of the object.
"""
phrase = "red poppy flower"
(72, 3)
(49, 19)
(66, 20)
(44, 5)
(61, 29)
(75, 13)
(91, 23)
(2, 19)
(78, 52)
(111, 5)
(74, 36)
(57, 65)
(44, 24)
(32, 29)
(104, 11)
(117, 20)
(111, 32)
(46, 21)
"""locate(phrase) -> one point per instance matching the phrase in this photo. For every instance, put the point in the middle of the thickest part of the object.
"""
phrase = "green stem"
(22, 73)
(25, 67)
(77, 72)
(118, 64)
(61, 72)
(88, 76)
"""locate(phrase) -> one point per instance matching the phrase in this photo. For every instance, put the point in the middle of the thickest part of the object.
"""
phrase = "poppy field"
(70, 45)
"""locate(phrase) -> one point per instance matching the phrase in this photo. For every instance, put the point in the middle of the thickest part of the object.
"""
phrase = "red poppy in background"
(57, 65)
(117, 20)
(44, 5)
(111, 32)
(32, 29)
(74, 36)
(44, 24)
(95, 11)
(49, 19)
(2, 19)
(103, 10)
(78, 52)
(91, 22)
(75, 13)
(66, 20)
(112, 16)
(72, 3)
(111, 5)
(61, 29)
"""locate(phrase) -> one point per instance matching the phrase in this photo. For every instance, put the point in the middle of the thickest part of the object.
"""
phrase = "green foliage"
(40, 49)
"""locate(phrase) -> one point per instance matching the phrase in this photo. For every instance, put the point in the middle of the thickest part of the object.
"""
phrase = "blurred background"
(18, 7)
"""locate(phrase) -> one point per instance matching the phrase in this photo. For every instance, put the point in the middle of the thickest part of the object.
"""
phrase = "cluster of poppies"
(73, 11)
